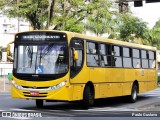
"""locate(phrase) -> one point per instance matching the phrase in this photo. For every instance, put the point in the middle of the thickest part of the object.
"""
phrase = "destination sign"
(40, 36)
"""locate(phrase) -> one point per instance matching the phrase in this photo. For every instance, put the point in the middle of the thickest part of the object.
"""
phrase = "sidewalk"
(5, 87)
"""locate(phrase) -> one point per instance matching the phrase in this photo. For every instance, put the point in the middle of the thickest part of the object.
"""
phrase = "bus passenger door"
(77, 71)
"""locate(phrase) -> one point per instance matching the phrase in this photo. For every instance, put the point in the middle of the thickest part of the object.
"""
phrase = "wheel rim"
(134, 94)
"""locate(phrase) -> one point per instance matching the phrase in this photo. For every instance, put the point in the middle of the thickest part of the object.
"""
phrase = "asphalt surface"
(147, 106)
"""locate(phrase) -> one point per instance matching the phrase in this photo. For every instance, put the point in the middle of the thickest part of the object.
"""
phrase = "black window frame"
(129, 56)
(144, 58)
(76, 70)
(115, 56)
(149, 59)
(97, 53)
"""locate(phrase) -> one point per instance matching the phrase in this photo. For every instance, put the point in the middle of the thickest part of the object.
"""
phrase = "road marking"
(16, 109)
(5, 94)
(2, 110)
(62, 113)
(109, 109)
(60, 118)
(154, 93)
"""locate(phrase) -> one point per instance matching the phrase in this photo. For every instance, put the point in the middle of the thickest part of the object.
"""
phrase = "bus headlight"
(58, 85)
(17, 86)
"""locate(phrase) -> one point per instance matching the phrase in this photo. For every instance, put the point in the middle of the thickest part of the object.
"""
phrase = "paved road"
(147, 104)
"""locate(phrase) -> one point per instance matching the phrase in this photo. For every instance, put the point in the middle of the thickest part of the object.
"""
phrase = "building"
(10, 26)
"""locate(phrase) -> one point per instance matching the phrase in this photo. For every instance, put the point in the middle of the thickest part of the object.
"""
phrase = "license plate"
(34, 93)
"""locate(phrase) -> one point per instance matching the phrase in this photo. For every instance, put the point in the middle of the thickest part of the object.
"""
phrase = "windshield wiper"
(30, 54)
(45, 51)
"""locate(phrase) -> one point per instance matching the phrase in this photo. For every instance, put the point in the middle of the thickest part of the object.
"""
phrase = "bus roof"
(99, 39)
(112, 41)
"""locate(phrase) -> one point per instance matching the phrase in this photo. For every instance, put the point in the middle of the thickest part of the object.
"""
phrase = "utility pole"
(18, 16)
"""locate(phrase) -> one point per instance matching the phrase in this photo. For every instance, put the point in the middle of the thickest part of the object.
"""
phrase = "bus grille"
(36, 87)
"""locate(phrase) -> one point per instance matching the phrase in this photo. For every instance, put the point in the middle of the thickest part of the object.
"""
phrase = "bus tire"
(39, 103)
(88, 97)
(134, 94)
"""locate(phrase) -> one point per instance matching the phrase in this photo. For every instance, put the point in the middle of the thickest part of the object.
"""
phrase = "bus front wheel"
(39, 103)
(134, 93)
(88, 97)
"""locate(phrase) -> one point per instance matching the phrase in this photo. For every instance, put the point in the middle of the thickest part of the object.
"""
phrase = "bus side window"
(127, 60)
(144, 58)
(152, 62)
(116, 56)
(92, 54)
(136, 58)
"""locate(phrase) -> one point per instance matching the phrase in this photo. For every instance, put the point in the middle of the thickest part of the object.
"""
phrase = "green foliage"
(66, 13)
(98, 16)
(103, 19)
(35, 11)
(56, 14)
(70, 14)
(152, 37)
(132, 27)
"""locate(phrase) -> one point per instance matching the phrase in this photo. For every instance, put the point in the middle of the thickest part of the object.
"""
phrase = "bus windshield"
(41, 59)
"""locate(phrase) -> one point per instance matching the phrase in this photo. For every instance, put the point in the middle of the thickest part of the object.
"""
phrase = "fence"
(5, 76)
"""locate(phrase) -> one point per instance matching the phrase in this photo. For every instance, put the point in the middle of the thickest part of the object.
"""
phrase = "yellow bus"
(66, 66)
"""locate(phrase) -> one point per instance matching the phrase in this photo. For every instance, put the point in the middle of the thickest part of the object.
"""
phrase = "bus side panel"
(109, 84)
(97, 75)
(142, 86)
(128, 80)
(127, 88)
(102, 90)
(143, 80)
(78, 82)
(114, 78)
(77, 92)
(109, 90)
(152, 78)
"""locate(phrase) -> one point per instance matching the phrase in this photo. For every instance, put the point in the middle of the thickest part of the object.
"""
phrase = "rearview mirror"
(75, 54)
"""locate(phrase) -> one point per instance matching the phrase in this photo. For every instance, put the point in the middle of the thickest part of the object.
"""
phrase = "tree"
(71, 14)
(37, 12)
(53, 14)
(152, 36)
(132, 27)
(103, 19)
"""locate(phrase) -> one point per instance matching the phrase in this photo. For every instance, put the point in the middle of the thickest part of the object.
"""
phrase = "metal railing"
(5, 73)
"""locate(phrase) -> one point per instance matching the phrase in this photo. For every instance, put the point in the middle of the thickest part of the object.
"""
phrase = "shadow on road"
(107, 102)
